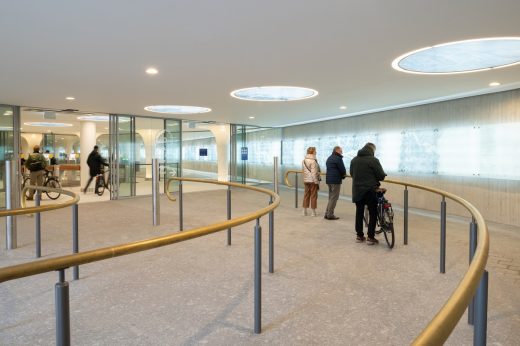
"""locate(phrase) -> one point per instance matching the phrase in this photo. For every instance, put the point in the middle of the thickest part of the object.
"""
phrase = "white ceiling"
(98, 50)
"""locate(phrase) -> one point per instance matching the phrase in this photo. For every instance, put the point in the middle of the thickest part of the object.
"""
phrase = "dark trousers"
(89, 181)
(370, 200)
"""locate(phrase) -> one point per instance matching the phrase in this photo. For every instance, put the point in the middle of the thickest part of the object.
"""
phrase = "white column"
(149, 136)
(32, 140)
(221, 133)
(87, 141)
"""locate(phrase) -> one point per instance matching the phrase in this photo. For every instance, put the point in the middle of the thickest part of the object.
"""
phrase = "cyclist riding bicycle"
(95, 164)
(366, 172)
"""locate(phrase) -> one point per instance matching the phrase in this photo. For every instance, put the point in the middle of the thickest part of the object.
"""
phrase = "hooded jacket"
(311, 169)
(366, 172)
(336, 170)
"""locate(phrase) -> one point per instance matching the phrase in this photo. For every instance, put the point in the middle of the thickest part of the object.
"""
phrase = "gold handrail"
(31, 210)
(440, 327)
(62, 262)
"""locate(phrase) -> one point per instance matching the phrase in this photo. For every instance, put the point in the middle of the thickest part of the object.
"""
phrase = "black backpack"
(35, 166)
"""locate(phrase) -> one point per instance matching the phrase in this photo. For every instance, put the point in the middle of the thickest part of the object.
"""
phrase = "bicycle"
(385, 217)
(49, 181)
(101, 184)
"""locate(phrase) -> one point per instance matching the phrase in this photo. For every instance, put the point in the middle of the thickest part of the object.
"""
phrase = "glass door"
(122, 156)
(172, 146)
(8, 139)
(239, 154)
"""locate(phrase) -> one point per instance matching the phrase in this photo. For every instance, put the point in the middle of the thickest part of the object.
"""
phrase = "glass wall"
(6, 146)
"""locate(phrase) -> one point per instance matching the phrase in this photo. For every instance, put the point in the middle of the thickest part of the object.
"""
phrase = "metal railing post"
(61, 290)
(155, 193)
(258, 279)
(271, 239)
(405, 218)
(443, 235)
(37, 223)
(75, 238)
(481, 304)
(229, 213)
(472, 247)
(275, 175)
(11, 241)
(181, 221)
(296, 190)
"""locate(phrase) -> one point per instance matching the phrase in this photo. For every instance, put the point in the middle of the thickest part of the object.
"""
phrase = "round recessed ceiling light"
(172, 109)
(152, 70)
(274, 93)
(251, 117)
(45, 124)
(93, 118)
(70, 98)
(461, 56)
(343, 107)
(494, 84)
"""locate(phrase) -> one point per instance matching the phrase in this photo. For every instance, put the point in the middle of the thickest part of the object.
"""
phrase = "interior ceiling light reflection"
(461, 56)
(274, 93)
(174, 109)
(45, 124)
(94, 117)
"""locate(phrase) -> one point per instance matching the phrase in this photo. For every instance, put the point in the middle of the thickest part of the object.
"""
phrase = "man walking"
(366, 172)
(95, 164)
(36, 164)
(336, 172)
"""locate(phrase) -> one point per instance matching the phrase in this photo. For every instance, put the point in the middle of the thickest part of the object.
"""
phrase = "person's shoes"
(29, 199)
(314, 213)
(360, 239)
(372, 241)
(304, 213)
(333, 217)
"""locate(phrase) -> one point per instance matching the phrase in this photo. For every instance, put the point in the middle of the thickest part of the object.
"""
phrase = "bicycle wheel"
(55, 184)
(26, 182)
(388, 226)
(100, 186)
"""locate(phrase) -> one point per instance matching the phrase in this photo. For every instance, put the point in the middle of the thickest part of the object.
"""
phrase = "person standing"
(95, 164)
(311, 180)
(336, 172)
(366, 172)
(36, 164)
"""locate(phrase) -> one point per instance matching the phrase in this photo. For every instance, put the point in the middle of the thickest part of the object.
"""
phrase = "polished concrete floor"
(326, 290)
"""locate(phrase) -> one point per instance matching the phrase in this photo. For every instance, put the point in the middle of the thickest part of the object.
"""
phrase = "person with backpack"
(311, 180)
(36, 164)
(95, 164)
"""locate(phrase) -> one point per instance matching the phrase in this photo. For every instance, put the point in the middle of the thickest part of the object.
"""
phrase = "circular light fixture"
(494, 84)
(343, 107)
(93, 117)
(274, 93)
(70, 98)
(251, 117)
(44, 124)
(152, 70)
(173, 109)
(461, 56)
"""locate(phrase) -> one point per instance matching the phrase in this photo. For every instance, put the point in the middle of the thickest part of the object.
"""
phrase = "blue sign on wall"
(243, 153)
(203, 152)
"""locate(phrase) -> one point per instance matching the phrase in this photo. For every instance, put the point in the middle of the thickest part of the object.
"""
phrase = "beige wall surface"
(497, 199)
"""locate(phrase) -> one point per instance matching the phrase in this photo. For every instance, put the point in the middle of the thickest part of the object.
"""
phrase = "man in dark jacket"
(36, 165)
(95, 164)
(366, 172)
(336, 172)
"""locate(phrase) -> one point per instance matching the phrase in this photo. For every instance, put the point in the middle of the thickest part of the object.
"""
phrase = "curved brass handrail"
(441, 326)
(62, 262)
(41, 208)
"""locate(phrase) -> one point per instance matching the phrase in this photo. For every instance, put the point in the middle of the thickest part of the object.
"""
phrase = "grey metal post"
(271, 239)
(181, 221)
(11, 241)
(296, 190)
(405, 211)
(61, 290)
(472, 248)
(275, 176)
(155, 193)
(37, 222)
(258, 278)
(443, 235)
(75, 238)
(481, 303)
(229, 213)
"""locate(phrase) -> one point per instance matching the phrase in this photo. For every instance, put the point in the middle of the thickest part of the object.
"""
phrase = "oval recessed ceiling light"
(45, 124)
(343, 107)
(274, 93)
(461, 56)
(93, 118)
(70, 98)
(152, 70)
(173, 109)
(494, 84)
(251, 117)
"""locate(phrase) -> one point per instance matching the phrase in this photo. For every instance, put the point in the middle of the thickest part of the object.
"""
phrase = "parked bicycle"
(385, 217)
(49, 181)
(102, 183)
